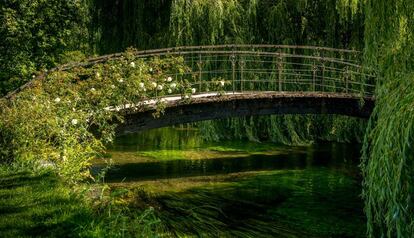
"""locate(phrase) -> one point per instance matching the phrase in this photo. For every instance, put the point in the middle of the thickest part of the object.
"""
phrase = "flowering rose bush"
(63, 121)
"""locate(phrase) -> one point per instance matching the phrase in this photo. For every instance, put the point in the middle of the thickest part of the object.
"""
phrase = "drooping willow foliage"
(388, 157)
(116, 25)
(324, 23)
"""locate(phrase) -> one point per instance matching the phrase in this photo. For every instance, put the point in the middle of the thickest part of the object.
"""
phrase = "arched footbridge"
(245, 80)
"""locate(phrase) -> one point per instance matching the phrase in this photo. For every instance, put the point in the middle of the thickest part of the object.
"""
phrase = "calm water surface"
(240, 189)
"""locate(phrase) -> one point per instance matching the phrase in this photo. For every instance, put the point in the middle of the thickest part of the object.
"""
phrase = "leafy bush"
(64, 120)
(34, 35)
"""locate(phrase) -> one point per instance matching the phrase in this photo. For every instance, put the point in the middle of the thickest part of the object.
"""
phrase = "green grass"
(40, 205)
(165, 154)
(214, 150)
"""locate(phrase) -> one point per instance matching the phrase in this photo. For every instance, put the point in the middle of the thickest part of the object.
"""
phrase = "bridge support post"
(242, 75)
(233, 66)
(323, 77)
(280, 68)
(346, 80)
(314, 71)
(200, 67)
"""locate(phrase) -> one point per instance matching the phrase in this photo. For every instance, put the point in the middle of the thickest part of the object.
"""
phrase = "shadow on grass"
(38, 206)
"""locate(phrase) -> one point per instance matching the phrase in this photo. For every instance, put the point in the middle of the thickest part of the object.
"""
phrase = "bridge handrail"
(233, 49)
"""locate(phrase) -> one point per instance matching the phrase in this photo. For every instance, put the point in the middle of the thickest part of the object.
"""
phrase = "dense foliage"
(388, 153)
(38, 34)
(64, 120)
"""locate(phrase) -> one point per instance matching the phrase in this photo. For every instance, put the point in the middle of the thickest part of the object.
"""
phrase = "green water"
(239, 189)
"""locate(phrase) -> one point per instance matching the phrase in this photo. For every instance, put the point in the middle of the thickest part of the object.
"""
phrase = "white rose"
(154, 84)
(160, 87)
(169, 79)
(173, 85)
(57, 100)
(193, 90)
(170, 91)
(141, 85)
(132, 64)
(74, 121)
(222, 83)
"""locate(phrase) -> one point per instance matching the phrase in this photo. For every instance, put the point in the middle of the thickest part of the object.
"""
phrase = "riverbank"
(41, 205)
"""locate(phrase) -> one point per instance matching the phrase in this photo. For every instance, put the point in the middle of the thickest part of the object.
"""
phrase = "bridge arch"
(211, 106)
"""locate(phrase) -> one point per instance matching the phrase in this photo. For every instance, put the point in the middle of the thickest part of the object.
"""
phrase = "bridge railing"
(239, 68)
(271, 68)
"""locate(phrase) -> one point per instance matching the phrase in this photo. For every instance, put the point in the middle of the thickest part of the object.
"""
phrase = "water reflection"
(241, 189)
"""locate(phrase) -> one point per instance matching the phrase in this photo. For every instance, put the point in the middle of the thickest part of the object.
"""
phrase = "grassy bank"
(41, 205)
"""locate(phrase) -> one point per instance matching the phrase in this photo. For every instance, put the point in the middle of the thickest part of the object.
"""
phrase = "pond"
(240, 189)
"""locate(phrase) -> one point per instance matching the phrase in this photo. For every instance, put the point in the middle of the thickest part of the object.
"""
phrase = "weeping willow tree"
(202, 22)
(117, 25)
(388, 160)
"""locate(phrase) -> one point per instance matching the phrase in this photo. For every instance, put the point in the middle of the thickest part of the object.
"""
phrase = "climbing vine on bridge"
(66, 119)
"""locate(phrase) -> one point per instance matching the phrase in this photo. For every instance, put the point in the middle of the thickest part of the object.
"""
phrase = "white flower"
(193, 90)
(132, 64)
(222, 83)
(163, 100)
(113, 86)
(33, 76)
(186, 97)
(74, 121)
(144, 89)
(170, 91)
(121, 80)
(93, 89)
(154, 84)
(169, 79)
(97, 74)
(160, 87)
(64, 158)
(173, 85)
(150, 69)
(57, 100)
(141, 85)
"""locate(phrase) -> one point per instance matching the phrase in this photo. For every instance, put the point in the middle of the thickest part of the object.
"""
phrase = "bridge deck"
(209, 106)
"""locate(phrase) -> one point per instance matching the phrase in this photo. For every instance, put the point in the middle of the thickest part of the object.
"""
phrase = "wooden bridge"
(243, 80)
